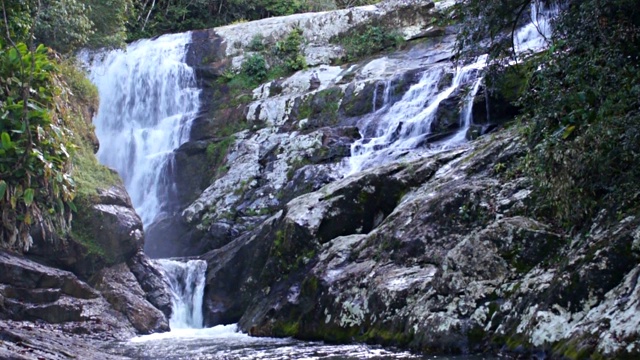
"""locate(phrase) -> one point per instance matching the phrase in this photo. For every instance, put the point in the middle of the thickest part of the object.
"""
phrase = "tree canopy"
(154, 17)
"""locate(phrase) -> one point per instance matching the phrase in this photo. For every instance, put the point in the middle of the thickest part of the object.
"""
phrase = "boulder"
(104, 232)
(152, 282)
(33, 292)
(121, 289)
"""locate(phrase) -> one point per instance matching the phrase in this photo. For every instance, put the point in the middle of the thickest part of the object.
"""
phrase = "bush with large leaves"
(35, 185)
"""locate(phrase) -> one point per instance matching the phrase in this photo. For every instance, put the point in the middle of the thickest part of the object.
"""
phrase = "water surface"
(225, 342)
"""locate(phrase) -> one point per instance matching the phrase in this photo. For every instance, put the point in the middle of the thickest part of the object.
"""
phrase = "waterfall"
(148, 99)
(407, 124)
(186, 280)
(534, 35)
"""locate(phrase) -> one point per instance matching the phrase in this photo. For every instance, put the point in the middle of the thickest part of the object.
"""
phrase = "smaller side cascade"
(186, 281)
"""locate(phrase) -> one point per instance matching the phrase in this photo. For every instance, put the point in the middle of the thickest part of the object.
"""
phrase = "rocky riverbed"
(434, 248)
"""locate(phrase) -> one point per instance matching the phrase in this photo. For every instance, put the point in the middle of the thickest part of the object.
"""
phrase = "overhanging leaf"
(3, 189)
(28, 197)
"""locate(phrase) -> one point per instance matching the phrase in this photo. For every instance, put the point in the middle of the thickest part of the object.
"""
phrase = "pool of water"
(225, 342)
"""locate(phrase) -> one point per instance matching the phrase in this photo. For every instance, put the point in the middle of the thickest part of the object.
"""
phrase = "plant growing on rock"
(580, 102)
(255, 67)
(289, 51)
(35, 185)
(370, 40)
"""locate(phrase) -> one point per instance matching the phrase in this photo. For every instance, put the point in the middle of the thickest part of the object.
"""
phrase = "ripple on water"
(226, 342)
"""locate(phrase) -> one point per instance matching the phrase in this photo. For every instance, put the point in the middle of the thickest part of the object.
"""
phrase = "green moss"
(286, 329)
(573, 350)
(217, 151)
(368, 40)
(387, 336)
(305, 110)
(310, 286)
(79, 84)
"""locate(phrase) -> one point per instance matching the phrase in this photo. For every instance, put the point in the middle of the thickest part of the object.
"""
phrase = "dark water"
(224, 342)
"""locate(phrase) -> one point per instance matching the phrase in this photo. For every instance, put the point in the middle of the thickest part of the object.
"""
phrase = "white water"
(406, 124)
(148, 99)
(396, 130)
(536, 34)
(186, 280)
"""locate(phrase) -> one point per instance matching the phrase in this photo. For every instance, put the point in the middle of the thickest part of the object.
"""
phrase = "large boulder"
(152, 282)
(105, 231)
(121, 289)
(37, 293)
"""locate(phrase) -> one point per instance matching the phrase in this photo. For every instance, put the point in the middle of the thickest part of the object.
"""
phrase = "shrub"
(255, 68)
(372, 40)
(289, 51)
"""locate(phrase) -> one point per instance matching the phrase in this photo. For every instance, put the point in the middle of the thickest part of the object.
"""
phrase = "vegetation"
(267, 64)
(154, 17)
(581, 107)
(373, 39)
(34, 167)
(44, 129)
(66, 25)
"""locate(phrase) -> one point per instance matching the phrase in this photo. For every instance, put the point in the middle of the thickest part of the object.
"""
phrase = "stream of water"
(148, 100)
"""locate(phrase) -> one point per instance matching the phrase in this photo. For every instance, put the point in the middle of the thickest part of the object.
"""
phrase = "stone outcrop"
(34, 292)
(444, 259)
(106, 232)
(111, 291)
(122, 290)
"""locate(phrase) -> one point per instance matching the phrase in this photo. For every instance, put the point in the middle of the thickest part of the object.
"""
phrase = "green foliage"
(255, 67)
(371, 40)
(34, 151)
(342, 4)
(582, 107)
(66, 25)
(63, 24)
(217, 151)
(78, 84)
(288, 51)
(109, 19)
(257, 43)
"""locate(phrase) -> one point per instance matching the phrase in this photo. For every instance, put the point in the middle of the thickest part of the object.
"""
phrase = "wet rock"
(447, 117)
(105, 231)
(233, 272)
(22, 273)
(33, 292)
(491, 108)
(28, 340)
(152, 282)
(121, 289)
(172, 237)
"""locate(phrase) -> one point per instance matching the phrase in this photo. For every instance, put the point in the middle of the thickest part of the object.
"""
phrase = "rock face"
(112, 292)
(104, 233)
(121, 289)
(438, 255)
(289, 136)
(34, 292)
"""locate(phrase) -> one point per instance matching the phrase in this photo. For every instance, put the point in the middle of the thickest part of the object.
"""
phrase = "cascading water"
(148, 99)
(407, 123)
(535, 35)
(186, 280)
